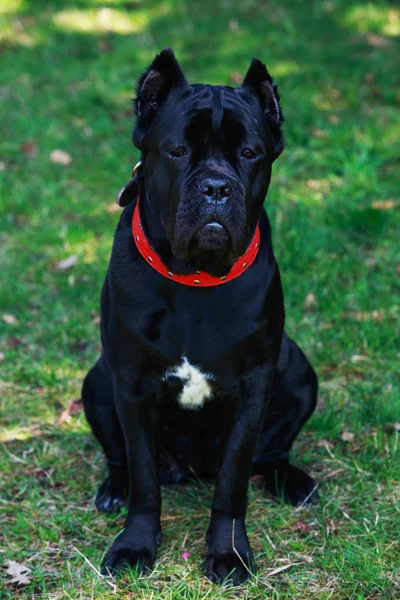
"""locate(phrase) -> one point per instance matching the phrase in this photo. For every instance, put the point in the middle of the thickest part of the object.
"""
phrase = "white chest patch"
(196, 385)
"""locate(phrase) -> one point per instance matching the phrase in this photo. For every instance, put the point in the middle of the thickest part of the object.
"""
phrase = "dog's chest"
(196, 384)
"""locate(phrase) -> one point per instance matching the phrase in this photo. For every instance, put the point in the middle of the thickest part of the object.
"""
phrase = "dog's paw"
(131, 551)
(111, 496)
(229, 558)
(228, 567)
(118, 559)
(292, 485)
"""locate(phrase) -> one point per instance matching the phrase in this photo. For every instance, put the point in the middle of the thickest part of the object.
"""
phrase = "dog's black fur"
(207, 154)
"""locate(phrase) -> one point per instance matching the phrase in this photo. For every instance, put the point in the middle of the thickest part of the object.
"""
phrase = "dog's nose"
(216, 189)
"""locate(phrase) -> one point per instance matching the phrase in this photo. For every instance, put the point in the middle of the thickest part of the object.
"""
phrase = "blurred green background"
(67, 75)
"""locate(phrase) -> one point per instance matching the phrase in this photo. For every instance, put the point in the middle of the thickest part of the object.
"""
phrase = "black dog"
(197, 375)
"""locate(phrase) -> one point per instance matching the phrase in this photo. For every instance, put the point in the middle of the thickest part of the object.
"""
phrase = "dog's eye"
(248, 153)
(178, 152)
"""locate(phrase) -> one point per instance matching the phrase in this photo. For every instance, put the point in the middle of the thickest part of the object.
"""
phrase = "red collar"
(199, 278)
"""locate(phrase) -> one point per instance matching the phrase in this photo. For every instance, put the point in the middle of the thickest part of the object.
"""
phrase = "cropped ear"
(156, 83)
(259, 80)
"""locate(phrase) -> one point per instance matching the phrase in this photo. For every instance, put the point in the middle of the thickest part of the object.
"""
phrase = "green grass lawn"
(67, 71)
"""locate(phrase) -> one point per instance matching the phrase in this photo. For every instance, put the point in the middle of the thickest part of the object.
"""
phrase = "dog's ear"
(259, 80)
(155, 84)
(130, 190)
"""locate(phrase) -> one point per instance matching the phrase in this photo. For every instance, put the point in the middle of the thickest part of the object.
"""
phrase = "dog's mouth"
(211, 237)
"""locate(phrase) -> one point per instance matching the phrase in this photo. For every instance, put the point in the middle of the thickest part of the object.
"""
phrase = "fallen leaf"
(29, 149)
(383, 204)
(59, 157)
(301, 526)
(325, 444)
(347, 436)
(5, 384)
(314, 184)
(67, 263)
(18, 572)
(356, 358)
(74, 406)
(378, 41)
(9, 319)
(233, 25)
(95, 318)
(360, 316)
(236, 77)
(310, 301)
(50, 569)
(329, 6)
(371, 262)
(13, 342)
(319, 133)
(113, 207)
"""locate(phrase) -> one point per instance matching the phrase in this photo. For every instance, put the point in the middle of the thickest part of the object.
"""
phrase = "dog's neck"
(157, 237)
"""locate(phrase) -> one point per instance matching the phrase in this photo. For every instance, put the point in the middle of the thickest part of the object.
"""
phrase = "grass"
(67, 75)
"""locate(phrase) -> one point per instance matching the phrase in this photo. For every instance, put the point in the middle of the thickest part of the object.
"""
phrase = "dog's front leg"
(137, 544)
(229, 552)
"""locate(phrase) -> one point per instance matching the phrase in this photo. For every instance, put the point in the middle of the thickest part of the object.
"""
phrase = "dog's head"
(207, 153)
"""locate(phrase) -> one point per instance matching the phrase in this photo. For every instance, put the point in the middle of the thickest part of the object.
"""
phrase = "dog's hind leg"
(292, 402)
(98, 403)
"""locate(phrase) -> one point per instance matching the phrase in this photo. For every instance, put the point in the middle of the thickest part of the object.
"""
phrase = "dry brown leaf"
(74, 406)
(314, 184)
(383, 204)
(347, 436)
(371, 262)
(60, 157)
(9, 319)
(14, 342)
(67, 263)
(324, 444)
(29, 149)
(18, 572)
(310, 301)
(236, 77)
(319, 133)
(378, 41)
(113, 207)
(360, 316)
(301, 526)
